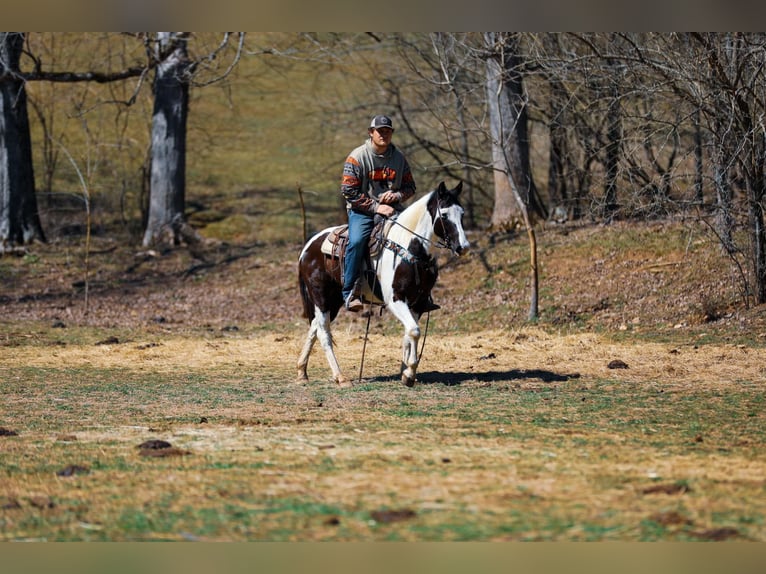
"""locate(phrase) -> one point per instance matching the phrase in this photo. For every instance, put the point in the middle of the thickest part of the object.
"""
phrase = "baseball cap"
(381, 122)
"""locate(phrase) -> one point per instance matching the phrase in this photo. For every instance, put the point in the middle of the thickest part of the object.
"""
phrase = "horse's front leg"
(410, 341)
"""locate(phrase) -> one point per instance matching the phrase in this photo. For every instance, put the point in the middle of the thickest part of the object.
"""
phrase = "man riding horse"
(405, 272)
(376, 180)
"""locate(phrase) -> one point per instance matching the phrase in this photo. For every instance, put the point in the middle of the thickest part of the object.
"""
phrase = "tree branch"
(71, 77)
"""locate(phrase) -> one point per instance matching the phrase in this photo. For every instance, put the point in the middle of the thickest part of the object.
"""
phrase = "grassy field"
(508, 436)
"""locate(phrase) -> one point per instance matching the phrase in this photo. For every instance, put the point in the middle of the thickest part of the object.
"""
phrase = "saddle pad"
(333, 238)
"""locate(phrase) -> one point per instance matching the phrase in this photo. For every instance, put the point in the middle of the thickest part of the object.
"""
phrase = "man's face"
(381, 137)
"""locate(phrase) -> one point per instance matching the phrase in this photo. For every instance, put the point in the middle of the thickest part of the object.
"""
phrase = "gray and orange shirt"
(366, 175)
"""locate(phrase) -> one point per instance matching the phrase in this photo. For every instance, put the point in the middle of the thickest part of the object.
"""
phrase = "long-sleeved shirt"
(366, 175)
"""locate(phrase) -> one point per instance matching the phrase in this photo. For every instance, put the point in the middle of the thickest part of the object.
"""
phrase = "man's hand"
(385, 210)
(389, 197)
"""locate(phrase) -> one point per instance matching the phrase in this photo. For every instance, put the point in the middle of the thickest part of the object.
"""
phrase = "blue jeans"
(359, 229)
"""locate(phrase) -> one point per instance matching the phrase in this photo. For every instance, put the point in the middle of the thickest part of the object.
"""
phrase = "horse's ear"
(458, 188)
(441, 188)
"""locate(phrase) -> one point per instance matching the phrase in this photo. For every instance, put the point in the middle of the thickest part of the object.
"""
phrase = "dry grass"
(585, 355)
(522, 435)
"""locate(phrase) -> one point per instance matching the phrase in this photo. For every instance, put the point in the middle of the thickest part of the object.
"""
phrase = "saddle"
(335, 243)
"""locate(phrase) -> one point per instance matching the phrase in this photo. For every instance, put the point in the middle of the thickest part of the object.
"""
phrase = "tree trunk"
(505, 211)
(510, 147)
(756, 189)
(612, 157)
(724, 220)
(168, 162)
(699, 166)
(508, 127)
(19, 218)
(758, 233)
(467, 170)
(558, 192)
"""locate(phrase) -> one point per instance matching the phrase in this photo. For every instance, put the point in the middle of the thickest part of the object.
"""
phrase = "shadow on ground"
(450, 379)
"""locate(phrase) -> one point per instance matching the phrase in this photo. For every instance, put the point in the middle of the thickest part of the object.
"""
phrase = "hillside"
(663, 280)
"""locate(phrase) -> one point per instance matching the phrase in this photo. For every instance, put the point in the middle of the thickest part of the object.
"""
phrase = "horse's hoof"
(301, 378)
(344, 383)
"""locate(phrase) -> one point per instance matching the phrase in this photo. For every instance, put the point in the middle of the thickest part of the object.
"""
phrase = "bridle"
(442, 242)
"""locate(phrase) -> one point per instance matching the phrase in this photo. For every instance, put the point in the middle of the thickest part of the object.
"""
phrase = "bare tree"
(515, 189)
(455, 78)
(721, 76)
(471, 89)
(613, 141)
(622, 129)
(435, 91)
(559, 162)
(168, 151)
(175, 75)
(19, 219)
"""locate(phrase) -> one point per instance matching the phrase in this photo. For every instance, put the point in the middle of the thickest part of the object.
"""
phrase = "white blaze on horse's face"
(454, 215)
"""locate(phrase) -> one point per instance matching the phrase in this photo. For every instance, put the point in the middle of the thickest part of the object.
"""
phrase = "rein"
(367, 329)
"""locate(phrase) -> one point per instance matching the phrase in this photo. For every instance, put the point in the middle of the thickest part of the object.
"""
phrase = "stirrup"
(353, 304)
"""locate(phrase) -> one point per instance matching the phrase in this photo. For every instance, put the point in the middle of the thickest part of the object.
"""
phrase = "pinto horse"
(402, 273)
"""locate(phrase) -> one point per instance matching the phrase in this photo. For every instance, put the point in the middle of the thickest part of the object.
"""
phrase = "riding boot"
(353, 304)
(353, 301)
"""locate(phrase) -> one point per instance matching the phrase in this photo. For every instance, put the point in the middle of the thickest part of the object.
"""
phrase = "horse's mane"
(409, 219)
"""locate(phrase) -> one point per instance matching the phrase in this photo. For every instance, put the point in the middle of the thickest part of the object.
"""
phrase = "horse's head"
(447, 216)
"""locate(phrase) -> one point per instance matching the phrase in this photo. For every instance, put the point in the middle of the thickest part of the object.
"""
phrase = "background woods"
(144, 130)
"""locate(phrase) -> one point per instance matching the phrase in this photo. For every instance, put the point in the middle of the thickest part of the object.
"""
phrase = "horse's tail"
(308, 305)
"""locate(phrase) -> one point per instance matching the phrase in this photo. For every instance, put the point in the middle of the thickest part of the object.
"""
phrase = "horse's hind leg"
(303, 360)
(324, 334)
